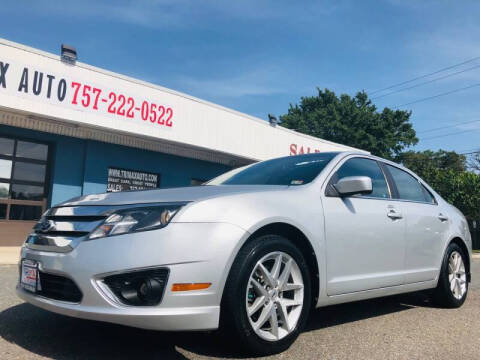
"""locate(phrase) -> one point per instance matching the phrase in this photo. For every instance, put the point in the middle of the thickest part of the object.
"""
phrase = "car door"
(426, 225)
(365, 234)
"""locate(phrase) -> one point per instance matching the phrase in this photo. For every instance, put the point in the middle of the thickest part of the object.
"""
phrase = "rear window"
(292, 170)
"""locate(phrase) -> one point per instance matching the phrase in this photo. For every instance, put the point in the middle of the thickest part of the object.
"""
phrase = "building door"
(23, 188)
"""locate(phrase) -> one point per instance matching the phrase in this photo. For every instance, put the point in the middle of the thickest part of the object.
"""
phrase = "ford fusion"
(251, 252)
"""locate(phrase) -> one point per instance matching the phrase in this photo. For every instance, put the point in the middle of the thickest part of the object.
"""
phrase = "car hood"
(183, 194)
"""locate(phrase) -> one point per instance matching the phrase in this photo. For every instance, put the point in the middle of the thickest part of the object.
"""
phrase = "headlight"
(135, 220)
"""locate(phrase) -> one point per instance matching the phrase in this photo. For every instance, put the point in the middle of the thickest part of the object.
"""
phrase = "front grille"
(127, 286)
(67, 226)
(58, 287)
(63, 228)
(69, 218)
(65, 234)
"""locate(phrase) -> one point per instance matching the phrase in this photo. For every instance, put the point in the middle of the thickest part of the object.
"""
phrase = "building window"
(23, 184)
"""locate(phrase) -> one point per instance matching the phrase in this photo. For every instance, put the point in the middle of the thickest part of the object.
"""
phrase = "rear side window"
(365, 167)
(407, 186)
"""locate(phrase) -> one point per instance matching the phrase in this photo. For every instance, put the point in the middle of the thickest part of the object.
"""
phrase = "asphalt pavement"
(400, 327)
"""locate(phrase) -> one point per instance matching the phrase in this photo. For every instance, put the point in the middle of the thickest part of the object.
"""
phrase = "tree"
(352, 121)
(474, 162)
(446, 172)
(424, 162)
(461, 189)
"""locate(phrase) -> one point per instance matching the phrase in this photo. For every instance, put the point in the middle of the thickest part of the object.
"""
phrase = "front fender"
(252, 212)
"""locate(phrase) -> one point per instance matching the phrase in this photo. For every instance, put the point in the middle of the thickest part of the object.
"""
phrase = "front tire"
(267, 297)
(452, 287)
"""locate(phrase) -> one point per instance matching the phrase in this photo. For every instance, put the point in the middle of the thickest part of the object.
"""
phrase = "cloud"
(278, 77)
(187, 13)
(262, 80)
(147, 13)
(227, 87)
(452, 37)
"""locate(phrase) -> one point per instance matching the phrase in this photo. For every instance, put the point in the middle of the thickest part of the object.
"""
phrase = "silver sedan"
(250, 252)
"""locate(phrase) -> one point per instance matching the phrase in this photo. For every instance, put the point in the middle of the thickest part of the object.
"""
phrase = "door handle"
(442, 217)
(394, 215)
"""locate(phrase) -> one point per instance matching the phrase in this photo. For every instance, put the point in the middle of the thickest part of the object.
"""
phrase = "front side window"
(407, 186)
(292, 170)
(365, 167)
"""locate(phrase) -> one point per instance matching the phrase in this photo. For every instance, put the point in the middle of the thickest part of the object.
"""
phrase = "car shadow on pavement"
(355, 311)
(60, 337)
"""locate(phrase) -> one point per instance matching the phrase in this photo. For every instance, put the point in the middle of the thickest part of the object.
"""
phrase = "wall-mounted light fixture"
(272, 120)
(69, 54)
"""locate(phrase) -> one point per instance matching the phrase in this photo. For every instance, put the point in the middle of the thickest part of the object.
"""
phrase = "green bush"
(461, 189)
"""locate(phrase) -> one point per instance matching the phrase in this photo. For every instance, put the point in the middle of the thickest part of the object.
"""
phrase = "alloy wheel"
(274, 297)
(456, 275)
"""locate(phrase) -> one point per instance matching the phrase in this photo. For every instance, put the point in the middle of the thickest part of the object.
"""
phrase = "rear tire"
(452, 287)
(267, 297)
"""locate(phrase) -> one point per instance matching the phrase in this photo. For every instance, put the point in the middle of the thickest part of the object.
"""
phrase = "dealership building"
(69, 129)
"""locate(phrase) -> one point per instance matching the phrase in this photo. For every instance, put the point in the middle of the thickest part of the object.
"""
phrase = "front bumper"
(193, 252)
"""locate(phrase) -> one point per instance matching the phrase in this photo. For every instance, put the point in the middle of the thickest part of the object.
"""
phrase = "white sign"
(37, 82)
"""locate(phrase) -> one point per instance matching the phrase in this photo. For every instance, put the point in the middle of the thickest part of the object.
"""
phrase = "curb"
(475, 256)
(9, 255)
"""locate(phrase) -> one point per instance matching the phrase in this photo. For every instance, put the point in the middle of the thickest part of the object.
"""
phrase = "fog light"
(150, 291)
(139, 288)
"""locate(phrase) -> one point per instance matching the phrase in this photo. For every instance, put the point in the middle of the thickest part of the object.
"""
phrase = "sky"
(260, 56)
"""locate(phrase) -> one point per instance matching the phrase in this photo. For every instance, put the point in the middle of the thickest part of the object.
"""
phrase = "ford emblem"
(46, 225)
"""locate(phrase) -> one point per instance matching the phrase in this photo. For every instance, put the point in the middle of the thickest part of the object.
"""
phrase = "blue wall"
(80, 167)
(173, 170)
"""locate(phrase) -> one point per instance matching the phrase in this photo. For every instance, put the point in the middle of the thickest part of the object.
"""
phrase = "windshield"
(291, 170)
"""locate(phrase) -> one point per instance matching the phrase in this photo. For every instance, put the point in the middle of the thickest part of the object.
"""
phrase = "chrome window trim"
(383, 163)
(415, 202)
(369, 198)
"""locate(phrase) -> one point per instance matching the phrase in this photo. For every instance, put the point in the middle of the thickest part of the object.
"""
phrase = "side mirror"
(352, 185)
